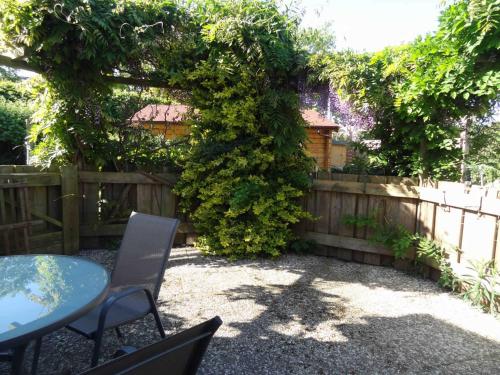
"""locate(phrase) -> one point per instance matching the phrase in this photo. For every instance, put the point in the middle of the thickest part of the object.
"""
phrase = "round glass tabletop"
(41, 293)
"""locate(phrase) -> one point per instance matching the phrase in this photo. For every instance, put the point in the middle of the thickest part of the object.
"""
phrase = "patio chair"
(180, 354)
(135, 281)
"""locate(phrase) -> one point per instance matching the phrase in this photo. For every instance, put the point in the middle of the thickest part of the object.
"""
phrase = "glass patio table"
(42, 293)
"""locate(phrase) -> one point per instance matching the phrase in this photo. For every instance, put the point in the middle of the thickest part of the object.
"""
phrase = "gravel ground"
(304, 315)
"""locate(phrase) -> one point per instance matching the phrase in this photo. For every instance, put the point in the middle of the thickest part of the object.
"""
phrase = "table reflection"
(36, 291)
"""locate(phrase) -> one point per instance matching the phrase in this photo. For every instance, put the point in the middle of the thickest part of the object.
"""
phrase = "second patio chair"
(135, 281)
(180, 354)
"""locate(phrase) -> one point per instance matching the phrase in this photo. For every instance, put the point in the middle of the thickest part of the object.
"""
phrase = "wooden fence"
(465, 220)
(74, 209)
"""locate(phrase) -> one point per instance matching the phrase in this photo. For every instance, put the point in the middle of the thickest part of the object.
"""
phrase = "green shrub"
(13, 119)
(481, 285)
(395, 237)
(430, 249)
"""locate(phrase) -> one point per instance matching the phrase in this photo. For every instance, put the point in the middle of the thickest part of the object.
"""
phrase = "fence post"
(70, 212)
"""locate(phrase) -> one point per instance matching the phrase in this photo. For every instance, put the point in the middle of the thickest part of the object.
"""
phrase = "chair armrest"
(118, 296)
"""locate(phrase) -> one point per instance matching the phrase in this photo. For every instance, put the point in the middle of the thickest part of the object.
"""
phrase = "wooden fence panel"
(121, 193)
(144, 198)
(460, 217)
(335, 212)
(407, 214)
(311, 208)
(70, 206)
(427, 213)
(347, 208)
(478, 237)
(44, 200)
(70, 209)
(463, 219)
(322, 209)
(362, 209)
(39, 202)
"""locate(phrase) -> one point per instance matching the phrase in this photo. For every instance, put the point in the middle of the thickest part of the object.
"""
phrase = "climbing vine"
(236, 63)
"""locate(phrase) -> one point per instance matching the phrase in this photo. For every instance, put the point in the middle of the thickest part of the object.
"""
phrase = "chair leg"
(159, 325)
(17, 360)
(154, 311)
(97, 348)
(119, 333)
(36, 356)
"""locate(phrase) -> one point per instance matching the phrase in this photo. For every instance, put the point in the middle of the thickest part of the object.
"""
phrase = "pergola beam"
(21, 64)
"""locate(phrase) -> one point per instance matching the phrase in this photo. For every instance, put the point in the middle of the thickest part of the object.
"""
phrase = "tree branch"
(18, 64)
(21, 64)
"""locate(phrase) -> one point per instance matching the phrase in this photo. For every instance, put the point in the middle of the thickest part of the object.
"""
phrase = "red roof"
(161, 113)
(177, 112)
(317, 120)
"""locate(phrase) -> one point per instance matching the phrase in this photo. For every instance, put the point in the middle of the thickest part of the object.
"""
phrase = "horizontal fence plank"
(387, 190)
(102, 230)
(33, 179)
(347, 243)
(118, 229)
(20, 224)
(126, 178)
(47, 242)
(467, 201)
(38, 214)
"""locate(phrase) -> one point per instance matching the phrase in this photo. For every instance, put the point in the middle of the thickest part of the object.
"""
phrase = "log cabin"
(170, 121)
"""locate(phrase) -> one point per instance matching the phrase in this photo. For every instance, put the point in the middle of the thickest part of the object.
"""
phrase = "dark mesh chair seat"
(136, 278)
(123, 311)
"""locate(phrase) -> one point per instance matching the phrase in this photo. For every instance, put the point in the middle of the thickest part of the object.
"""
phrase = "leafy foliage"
(481, 285)
(13, 117)
(395, 237)
(14, 114)
(429, 249)
(418, 93)
(106, 140)
(483, 161)
(235, 62)
(246, 168)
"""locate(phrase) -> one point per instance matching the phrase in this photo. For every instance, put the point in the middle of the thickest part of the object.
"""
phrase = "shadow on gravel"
(412, 344)
(277, 342)
(302, 330)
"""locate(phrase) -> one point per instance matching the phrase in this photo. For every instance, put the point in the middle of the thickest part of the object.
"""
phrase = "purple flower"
(352, 121)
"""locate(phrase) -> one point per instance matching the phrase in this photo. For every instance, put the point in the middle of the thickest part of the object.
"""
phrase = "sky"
(371, 25)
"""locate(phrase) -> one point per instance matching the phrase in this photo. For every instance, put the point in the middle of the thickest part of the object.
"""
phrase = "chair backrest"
(144, 252)
(180, 354)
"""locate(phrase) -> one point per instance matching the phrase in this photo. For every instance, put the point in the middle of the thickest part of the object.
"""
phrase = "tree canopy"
(235, 62)
(419, 92)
